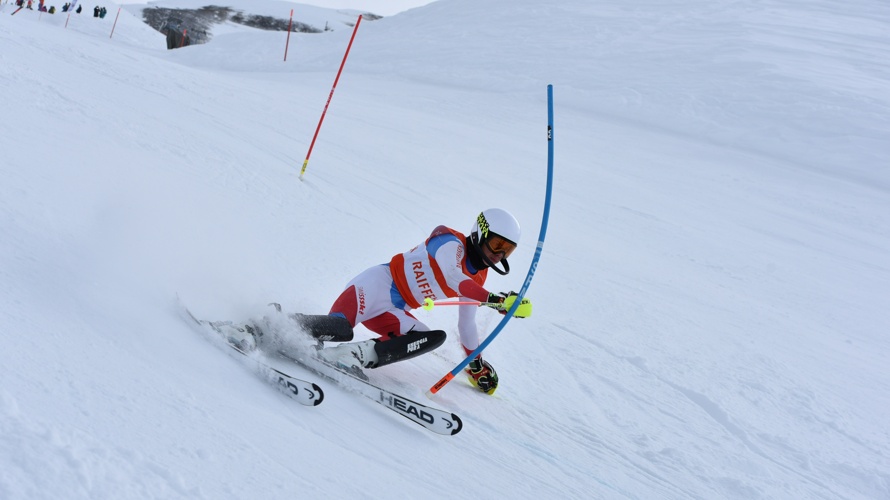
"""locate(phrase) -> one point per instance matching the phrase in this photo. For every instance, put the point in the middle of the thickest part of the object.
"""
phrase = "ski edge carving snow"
(302, 391)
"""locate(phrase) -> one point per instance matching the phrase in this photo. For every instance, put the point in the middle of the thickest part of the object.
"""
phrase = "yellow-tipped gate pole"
(331, 95)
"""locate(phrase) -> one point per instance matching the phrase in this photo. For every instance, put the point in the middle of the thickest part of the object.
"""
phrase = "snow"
(710, 307)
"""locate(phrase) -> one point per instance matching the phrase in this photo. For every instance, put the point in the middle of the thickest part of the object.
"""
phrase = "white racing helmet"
(498, 231)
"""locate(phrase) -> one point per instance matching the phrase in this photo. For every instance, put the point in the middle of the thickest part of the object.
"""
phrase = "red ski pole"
(429, 304)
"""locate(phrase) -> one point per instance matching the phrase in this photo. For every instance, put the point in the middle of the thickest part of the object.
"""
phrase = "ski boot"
(244, 337)
(352, 357)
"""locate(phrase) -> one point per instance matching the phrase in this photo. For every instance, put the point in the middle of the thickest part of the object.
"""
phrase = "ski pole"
(531, 270)
(429, 303)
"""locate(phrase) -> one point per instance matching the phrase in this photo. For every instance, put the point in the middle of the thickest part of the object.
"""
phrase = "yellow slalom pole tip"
(428, 304)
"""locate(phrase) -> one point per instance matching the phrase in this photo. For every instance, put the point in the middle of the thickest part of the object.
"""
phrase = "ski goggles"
(499, 245)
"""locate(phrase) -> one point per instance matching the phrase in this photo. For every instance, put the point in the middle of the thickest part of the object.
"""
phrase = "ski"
(302, 391)
(307, 393)
(436, 420)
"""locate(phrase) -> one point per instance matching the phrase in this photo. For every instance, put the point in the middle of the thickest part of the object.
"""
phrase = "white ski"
(439, 421)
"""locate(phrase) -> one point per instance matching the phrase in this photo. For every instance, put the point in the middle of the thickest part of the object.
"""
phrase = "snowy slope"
(710, 307)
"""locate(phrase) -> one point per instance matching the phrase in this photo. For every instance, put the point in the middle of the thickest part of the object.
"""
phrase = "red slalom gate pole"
(115, 22)
(288, 33)
(331, 95)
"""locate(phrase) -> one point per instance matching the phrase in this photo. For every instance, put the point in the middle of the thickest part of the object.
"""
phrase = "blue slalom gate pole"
(531, 270)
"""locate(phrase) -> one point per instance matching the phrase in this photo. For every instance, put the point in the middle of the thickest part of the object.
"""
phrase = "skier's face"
(497, 248)
(494, 257)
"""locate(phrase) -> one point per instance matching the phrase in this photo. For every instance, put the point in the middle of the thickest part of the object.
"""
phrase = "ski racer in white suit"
(446, 265)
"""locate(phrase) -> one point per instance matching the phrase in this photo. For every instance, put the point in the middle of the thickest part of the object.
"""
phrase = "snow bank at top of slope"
(273, 15)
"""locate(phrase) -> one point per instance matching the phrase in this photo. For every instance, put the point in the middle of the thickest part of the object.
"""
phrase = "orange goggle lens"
(500, 245)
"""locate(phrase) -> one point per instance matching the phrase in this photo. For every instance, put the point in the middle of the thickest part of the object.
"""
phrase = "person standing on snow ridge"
(447, 264)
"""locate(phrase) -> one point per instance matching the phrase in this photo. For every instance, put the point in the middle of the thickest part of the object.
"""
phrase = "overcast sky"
(380, 7)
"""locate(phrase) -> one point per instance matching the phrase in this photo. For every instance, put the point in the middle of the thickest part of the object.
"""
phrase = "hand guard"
(482, 376)
(506, 300)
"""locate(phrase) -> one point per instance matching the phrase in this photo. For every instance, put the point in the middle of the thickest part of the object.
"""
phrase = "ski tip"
(459, 424)
(320, 393)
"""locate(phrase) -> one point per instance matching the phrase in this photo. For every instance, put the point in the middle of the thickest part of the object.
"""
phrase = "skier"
(447, 264)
